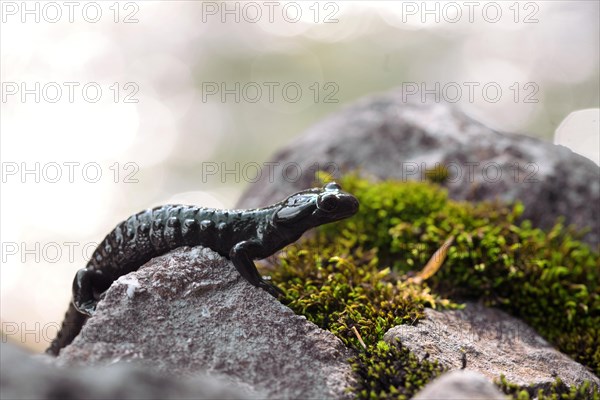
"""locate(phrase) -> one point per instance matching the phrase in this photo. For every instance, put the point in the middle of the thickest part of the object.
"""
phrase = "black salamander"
(239, 235)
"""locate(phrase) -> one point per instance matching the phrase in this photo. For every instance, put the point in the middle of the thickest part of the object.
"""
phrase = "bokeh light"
(160, 122)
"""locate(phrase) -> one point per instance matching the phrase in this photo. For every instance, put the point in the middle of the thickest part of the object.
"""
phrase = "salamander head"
(314, 207)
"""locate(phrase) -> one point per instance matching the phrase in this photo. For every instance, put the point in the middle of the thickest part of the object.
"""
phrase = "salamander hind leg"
(242, 255)
(88, 285)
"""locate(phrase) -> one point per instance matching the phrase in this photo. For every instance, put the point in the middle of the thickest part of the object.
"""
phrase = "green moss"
(392, 372)
(342, 292)
(549, 279)
(557, 390)
(354, 277)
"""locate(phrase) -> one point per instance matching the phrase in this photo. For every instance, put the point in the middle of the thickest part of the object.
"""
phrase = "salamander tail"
(71, 326)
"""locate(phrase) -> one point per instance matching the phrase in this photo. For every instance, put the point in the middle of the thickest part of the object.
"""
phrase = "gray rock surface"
(386, 137)
(460, 385)
(24, 376)
(494, 343)
(190, 311)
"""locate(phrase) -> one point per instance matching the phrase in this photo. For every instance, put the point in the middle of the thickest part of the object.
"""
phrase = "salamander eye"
(327, 202)
(332, 186)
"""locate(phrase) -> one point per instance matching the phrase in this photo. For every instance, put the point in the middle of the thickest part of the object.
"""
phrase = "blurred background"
(112, 107)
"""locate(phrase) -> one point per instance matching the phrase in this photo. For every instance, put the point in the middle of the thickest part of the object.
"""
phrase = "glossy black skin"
(239, 235)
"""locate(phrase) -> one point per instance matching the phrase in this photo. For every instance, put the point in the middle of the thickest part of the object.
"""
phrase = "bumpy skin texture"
(239, 235)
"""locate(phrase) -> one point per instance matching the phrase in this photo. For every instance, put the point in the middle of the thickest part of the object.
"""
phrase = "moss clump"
(550, 279)
(557, 390)
(354, 277)
(347, 293)
(392, 372)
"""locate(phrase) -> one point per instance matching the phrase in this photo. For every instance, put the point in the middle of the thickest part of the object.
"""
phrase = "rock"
(493, 343)
(580, 131)
(386, 137)
(190, 311)
(463, 385)
(28, 377)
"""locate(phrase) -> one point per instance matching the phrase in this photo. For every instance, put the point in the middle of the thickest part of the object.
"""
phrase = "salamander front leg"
(242, 257)
(88, 285)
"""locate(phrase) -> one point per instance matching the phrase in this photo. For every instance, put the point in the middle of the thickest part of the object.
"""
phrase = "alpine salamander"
(239, 235)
